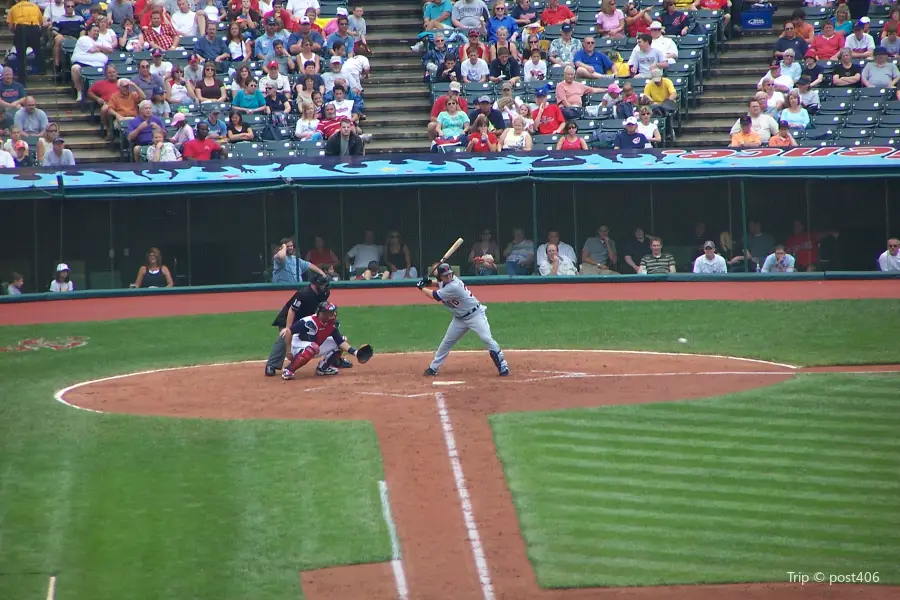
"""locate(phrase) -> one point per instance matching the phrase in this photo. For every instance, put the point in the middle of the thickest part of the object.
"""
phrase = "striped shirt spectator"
(657, 263)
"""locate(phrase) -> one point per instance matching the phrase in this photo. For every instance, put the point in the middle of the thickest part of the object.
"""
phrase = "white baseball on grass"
(682, 340)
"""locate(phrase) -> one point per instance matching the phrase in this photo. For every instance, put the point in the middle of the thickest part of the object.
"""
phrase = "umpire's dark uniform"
(304, 303)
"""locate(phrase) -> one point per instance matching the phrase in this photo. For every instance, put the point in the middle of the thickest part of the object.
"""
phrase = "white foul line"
(51, 589)
(396, 558)
(484, 574)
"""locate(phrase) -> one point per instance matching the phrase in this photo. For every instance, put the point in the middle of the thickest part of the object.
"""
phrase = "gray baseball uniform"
(468, 313)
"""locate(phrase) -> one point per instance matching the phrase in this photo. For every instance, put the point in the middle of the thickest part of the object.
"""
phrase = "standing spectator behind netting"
(890, 258)
(153, 274)
(62, 283)
(320, 254)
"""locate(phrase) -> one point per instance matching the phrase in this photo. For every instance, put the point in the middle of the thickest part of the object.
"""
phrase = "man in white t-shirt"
(184, 20)
(860, 43)
(535, 69)
(709, 261)
(764, 125)
(565, 250)
(6, 160)
(360, 255)
(275, 79)
(662, 43)
(784, 83)
(474, 69)
(158, 66)
(343, 106)
(298, 7)
(356, 68)
(890, 258)
(89, 52)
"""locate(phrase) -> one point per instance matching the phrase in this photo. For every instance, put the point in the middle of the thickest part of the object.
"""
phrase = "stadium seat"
(835, 106)
(878, 140)
(872, 93)
(863, 119)
(587, 124)
(892, 107)
(868, 105)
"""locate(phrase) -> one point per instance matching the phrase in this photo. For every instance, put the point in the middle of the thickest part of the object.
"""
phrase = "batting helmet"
(444, 269)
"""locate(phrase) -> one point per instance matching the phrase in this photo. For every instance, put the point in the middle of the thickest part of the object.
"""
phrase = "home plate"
(447, 382)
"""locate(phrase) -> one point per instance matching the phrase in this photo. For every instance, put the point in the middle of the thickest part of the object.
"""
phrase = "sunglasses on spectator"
(588, 43)
(893, 245)
(788, 28)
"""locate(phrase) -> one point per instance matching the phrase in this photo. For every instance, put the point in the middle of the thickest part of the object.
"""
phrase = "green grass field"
(140, 507)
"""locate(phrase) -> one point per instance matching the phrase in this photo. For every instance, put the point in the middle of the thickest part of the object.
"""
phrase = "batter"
(468, 313)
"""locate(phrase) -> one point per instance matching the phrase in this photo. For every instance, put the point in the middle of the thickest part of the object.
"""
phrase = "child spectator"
(372, 272)
(612, 96)
(17, 282)
(160, 107)
(61, 282)
(536, 68)
(22, 158)
(358, 25)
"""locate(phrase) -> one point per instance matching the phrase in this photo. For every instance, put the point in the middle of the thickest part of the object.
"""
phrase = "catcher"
(318, 336)
(468, 313)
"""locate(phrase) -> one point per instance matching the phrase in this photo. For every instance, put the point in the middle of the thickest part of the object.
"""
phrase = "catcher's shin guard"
(304, 357)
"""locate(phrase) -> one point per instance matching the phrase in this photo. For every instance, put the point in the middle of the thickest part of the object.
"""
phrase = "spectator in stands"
(160, 150)
(659, 89)
(30, 119)
(503, 68)
(790, 67)
(89, 52)
(503, 42)
(656, 262)
(160, 67)
(485, 246)
(746, 137)
(789, 40)
(664, 44)
(881, 73)
(22, 158)
(62, 283)
(812, 70)
(591, 63)
(860, 44)
(329, 124)
(179, 90)
(598, 253)
(610, 21)
(536, 68)
(360, 255)
(6, 160)
(524, 14)
(140, 129)
(629, 138)
(548, 118)
(277, 106)
(516, 138)
(556, 264)
(532, 41)
(450, 71)
(781, 82)
(343, 106)
(674, 21)
(130, 40)
(636, 248)
(562, 248)
(397, 257)
(147, 81)
(17, 282)
(310, 70)
(159, 33)
(846, 72)
(826, 45)
(804, 246)
(45, 141)
(342, 35)
(210, 88)
(122, 105)
(774, 97)
(569, 94)
(6, 123)
(262, 47)
(70, 25)
(794, 114)
(346, 142)
(276, 79)
(320, 254)
(183, 131)
(201, 147)
(648, 128)
(468, 14)
(499, 19)
(119, 11)
(637, 21)
(59, 155)
(239, 49)
(238, 131)
(782, 139)
(451, 124)
(644, 58)
(557, 14)
(804, 30)
(710, 262)
(373, 271)
(193, 72)
(571, 140)
(890, 258)
(842, 22)
(564, 48)
(211, 47)
(161, 107)
(247, 18)
(440, 105)
(612, 97)
(102, 91)
(889, 39)
(12, 93)
(433, 59)
(280, 55)
(304, 90)
(329, 78)
(524, 111)
(305, 33)
(519, 253)
(474, 69)
(52, 11)
(15, 136)
(778, 262)
(757, 246)
(809, 97)
(436, 15)
(481, 139)
(300, 8)
(185, 20)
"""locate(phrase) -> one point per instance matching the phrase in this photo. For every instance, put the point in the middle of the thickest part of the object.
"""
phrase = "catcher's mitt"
(364, 353)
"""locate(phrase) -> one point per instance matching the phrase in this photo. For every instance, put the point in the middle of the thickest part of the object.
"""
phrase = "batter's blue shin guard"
(499, 361)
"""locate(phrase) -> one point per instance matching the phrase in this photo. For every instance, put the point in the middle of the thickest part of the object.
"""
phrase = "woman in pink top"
(610, 20)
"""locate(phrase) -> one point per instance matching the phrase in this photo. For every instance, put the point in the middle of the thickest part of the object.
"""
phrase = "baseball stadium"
(627, 434)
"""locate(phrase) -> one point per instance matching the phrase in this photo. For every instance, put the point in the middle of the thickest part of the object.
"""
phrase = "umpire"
(24, 20)
(302, 304)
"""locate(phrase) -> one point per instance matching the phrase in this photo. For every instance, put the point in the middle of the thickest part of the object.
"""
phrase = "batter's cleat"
(326, 371)
(504, 372)
(343, 363)
(287, 374)
(429, 372)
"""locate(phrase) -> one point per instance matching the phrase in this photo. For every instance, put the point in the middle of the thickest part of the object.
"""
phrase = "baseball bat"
(447, 255)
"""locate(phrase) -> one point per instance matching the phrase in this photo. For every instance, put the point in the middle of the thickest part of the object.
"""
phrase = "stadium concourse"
(714, 76)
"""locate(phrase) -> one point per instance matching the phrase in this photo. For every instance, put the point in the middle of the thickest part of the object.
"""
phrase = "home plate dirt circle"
(439, 455)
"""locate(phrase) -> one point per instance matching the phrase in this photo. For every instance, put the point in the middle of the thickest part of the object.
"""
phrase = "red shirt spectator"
(482, 146)
(286, 17)
(713, 4)
(550, 120)
(825, 48)
(441, 104)
(464, 50)
(201, 147)
(555, 13)
(104, 89)
(235, 6)
(329, 127)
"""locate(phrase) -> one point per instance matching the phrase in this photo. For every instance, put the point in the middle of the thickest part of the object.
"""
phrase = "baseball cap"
(195, 58)
(541, 91)
(746, 120)
(630, 121)
(709, 244)
(865, 20)
(474, 33)
(784, 125)
(881, 50)
(506, 86)
(158, 90)
(810, 54)
(656, 25)
(803, 81)
(774, 63)
(342, 12)
(62, 267)
(859, 25)
(614, 88)
(178, 118)
(215, 110)
(455, 87)
(59, 140)
(271, 21)
(484, 99)
(336, 60)
(272, 64)
(21, 144)
(156, 52)
(566, 27)
(123, 82)
(304, 20)
(656, 75)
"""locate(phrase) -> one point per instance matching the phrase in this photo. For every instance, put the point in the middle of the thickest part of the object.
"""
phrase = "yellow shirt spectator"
(24, 13)
(659, 92)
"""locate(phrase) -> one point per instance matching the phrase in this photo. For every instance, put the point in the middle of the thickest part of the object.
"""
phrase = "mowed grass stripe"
(680, 492)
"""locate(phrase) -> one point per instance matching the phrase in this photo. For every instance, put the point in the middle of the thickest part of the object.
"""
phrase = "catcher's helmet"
(327, 307)
(444, 269)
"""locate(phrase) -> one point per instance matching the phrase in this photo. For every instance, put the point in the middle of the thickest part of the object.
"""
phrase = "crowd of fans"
(513, 76)
(195, 79)
(835, 76)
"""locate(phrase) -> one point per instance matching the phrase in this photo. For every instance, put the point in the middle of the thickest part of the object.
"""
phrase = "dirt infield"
(426, 493)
